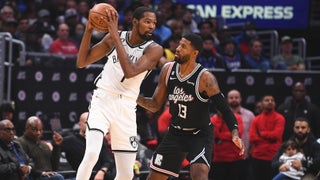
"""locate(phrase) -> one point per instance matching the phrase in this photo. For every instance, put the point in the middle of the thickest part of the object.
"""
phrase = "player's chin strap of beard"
(221, 104)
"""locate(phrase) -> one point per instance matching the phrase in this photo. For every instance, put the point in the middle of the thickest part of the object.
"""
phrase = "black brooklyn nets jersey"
(187, 107)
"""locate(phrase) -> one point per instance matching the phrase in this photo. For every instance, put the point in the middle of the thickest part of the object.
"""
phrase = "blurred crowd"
(56, 27)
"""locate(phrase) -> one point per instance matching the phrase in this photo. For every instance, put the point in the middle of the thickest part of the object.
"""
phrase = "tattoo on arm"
(210, 83)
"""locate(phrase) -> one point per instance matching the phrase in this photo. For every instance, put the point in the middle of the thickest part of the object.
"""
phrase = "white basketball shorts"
(114, 113)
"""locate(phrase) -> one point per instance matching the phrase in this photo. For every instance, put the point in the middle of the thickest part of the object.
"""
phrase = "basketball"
(98, 17)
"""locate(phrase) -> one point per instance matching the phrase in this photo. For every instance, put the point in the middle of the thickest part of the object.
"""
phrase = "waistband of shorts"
(184, 129)
(117, 94)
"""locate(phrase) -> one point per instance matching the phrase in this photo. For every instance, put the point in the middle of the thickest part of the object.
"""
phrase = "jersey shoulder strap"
(169, 71)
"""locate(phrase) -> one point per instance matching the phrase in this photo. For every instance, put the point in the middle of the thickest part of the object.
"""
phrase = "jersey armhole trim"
(168, 72)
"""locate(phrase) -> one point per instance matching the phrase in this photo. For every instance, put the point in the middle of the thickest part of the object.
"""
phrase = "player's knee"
(199, 176)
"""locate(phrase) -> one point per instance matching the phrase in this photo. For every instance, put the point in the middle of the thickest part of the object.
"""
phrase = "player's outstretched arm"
(155, 102)
(209, 86)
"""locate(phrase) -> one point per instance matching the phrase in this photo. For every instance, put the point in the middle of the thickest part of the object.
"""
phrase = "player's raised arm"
(87, 54)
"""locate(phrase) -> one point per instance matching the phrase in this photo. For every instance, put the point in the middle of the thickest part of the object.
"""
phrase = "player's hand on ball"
(112, 18)
(238, 142)
(89, 26)
(100, 16)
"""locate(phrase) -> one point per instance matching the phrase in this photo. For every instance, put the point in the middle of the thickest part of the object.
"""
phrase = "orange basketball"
(98, 16)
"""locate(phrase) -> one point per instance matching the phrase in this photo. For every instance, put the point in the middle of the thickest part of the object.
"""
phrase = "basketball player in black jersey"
(190, 89)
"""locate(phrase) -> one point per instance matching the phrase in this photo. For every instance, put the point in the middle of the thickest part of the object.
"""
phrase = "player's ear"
(195, 53)
(134, 21)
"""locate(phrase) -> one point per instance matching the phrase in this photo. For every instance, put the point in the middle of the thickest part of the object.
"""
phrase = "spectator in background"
(9, 25)
(206, 28)
(178, 10)
(308, 145)
(72, 18)
(125, 24)
(74, 146)
(255, 58)
(43, 24)
(265, 135)
(22, 31)
(7, 111)
(257, 109)
(209, 57)
(83, 9)
(15, 164)
(40, 28)
(176, 27)
(231, 56)
(298, 106)
(234, 100)
(169, 50)
(289, 157)
(63, 45)
(244, 38)
(46, 156)
(162, 32)
(46, 41)
(71, 4)
(32, 8)
(78, 33)
(286, 60)
(6, 12)
(215, 30)
(226, 162)
(189, 24)
(166, 6)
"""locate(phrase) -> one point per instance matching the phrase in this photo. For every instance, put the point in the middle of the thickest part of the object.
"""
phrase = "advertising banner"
(62, 95)
(268, 14)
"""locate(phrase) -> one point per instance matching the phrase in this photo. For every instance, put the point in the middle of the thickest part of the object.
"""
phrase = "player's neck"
(134, 39)
(186, 68)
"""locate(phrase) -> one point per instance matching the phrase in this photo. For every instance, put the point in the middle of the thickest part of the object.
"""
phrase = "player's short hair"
(138, 13)
(196, 41)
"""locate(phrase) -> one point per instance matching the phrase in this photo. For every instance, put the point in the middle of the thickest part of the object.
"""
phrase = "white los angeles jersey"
(112, 77)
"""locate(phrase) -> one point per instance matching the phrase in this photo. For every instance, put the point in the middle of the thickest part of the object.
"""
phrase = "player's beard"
(144, 36)
(182, 59)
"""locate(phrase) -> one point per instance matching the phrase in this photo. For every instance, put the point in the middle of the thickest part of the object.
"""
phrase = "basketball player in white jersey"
(131, 54)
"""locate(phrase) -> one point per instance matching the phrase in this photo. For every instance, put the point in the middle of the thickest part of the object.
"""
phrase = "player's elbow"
(129, 74)
(154, 110)
(153, 107)
(80, 64)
